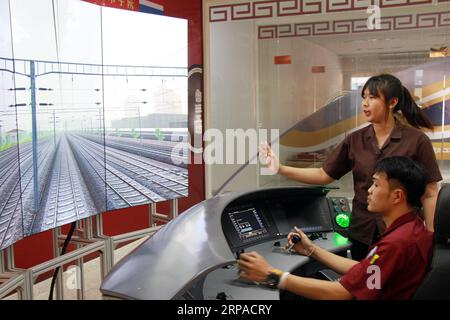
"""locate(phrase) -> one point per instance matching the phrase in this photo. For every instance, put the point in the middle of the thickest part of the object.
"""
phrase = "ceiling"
(385, 42)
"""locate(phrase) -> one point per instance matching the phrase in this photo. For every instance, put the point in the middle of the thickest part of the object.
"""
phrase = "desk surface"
(226, 279)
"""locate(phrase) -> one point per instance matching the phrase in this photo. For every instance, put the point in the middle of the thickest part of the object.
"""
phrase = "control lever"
(221, 296)
(295, 239)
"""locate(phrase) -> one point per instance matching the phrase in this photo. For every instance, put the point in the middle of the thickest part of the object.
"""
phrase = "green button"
(342, 220)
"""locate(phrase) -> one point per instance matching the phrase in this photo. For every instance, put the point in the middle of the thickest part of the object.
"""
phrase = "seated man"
(395, 265)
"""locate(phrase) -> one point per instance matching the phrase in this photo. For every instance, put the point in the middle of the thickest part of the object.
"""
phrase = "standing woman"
(385, 102)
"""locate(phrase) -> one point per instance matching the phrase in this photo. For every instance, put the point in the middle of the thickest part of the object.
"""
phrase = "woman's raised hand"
(268, 157)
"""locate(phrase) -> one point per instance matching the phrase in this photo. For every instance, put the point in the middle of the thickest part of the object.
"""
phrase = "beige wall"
(289, 93)
(248, 90)
(232, 100)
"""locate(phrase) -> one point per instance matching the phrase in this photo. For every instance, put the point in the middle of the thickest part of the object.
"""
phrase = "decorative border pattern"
(259, 9)
(395, 23)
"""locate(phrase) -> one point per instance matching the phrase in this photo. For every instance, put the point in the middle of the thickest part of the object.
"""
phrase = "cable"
(63, 251)
(15, 99)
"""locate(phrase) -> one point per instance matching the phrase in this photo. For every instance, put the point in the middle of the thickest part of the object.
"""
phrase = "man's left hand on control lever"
(253, 267)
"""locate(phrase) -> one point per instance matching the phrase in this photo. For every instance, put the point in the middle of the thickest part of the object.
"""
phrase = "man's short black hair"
(409, 175)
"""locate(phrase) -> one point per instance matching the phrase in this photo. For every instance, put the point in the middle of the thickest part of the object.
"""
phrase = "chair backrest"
(436, 284)
(442, 216)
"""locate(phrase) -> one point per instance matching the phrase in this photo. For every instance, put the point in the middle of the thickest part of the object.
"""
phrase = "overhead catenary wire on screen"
(73, 224)
(103, 93)
(15, 102)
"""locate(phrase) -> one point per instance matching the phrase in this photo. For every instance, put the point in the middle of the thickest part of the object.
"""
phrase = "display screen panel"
(248, 223)
(93, 112)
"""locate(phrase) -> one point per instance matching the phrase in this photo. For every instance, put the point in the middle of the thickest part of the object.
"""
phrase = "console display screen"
(248, 223)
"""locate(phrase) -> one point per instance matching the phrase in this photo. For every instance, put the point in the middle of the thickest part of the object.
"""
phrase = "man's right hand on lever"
(304, 247)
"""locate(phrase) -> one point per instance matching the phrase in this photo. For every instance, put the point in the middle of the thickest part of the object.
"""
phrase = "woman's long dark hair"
(389, 87)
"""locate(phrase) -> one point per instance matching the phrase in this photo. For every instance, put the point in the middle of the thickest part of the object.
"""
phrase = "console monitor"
(248, 223)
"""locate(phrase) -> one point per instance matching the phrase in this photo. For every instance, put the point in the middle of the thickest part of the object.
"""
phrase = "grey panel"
(167, 263)
(225, 280)
(177, 256)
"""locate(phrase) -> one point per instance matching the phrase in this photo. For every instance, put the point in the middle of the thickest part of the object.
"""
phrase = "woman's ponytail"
(411, 111)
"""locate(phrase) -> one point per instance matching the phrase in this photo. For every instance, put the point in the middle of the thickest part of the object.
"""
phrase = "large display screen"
(93, 112)
(311, 214)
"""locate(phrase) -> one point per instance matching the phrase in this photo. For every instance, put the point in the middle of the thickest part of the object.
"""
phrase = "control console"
(253, 220)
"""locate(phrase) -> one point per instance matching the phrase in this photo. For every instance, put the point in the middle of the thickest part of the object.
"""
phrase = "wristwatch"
(273, 278)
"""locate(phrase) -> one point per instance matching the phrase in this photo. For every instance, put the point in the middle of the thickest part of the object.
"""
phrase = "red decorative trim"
(259, 9)
(220, 11)
(242, 11)
(265, 6)
(288, 8)
(348, 5)
(395, 23)
(400, 3)
(268, 32)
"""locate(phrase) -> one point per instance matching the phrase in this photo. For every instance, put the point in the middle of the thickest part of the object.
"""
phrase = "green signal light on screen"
(343, 220)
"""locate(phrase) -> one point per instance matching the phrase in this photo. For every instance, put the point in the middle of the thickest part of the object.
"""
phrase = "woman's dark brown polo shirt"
(359, 153)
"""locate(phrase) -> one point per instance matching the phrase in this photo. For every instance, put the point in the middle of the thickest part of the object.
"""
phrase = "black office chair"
(436, 285)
